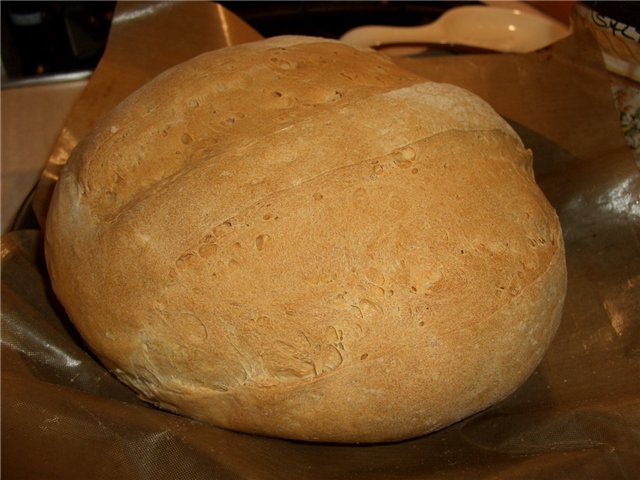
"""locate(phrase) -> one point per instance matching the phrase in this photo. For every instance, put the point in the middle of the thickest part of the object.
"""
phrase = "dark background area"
(332, 19)
(47, 38)
(54, 37)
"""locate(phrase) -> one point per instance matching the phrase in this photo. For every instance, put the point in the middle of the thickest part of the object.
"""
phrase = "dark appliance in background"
(50, 38)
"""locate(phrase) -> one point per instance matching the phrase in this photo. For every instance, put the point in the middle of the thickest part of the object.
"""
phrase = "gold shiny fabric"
(577, 417)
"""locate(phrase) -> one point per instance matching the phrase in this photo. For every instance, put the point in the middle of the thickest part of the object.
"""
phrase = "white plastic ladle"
(485, 27)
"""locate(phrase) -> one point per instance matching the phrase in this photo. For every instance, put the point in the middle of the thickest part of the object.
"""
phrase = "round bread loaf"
(297, 238)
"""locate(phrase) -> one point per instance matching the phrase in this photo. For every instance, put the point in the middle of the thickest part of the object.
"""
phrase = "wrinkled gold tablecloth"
(577, 417)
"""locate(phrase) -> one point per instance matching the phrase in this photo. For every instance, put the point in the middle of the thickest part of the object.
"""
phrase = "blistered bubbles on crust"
(261, 241)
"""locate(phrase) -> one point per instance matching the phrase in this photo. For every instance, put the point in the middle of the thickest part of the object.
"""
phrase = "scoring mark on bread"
(212, 242)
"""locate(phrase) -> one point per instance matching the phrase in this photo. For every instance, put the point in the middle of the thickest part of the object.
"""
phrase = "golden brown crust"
(356, 256)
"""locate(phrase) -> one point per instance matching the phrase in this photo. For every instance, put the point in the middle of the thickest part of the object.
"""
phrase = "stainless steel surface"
(47, 79)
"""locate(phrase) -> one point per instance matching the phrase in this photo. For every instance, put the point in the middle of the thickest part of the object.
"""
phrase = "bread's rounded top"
(297, 238)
